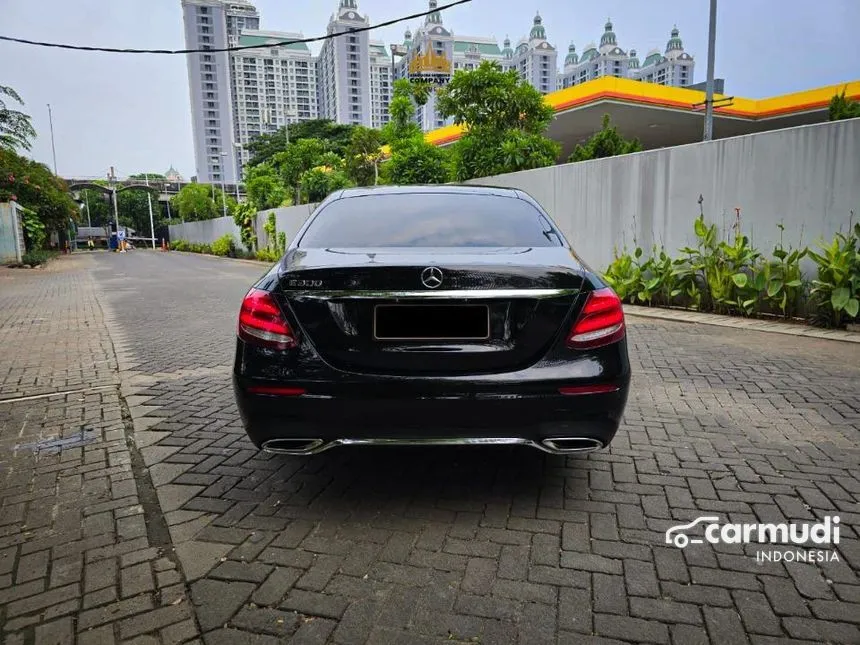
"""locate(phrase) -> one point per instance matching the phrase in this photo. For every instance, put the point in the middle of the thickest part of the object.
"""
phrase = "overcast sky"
(132, 111)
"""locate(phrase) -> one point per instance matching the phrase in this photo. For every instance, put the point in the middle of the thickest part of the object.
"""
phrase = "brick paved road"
(189, 533)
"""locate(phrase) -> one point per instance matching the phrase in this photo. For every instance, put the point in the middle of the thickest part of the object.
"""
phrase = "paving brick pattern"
(441, 545)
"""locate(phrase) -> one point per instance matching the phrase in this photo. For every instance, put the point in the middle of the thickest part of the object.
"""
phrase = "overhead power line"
(119, 50)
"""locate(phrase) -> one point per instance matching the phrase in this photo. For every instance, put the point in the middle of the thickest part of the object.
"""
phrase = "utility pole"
(149, 204)
(709, 86)
(53, 147)
(112, 181)
(87, 201)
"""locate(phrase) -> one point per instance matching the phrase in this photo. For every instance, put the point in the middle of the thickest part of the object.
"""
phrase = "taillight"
(262, 323)
(600, 322)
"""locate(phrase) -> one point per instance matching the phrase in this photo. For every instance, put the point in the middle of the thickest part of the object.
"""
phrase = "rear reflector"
(262, 323)
(601, 321)
(276, 390)
(597, 388)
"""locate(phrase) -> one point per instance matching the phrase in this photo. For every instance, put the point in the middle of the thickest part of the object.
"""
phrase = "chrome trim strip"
(316, 446)
(449, 293)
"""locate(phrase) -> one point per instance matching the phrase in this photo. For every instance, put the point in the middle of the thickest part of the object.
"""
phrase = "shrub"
(268, 255)
(224, 246)
(782, 281)
(836, 291)
(179, 245)
(37, 257)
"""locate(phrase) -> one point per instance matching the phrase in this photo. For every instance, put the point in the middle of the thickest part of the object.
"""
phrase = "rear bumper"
(382, 412)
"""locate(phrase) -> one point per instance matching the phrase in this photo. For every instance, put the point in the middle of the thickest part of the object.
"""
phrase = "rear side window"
(428, 220)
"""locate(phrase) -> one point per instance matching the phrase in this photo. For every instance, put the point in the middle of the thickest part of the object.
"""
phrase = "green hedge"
(737, 279)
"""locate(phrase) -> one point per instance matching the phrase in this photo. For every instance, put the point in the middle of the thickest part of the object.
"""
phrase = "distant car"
(439, 315)
(675, 534)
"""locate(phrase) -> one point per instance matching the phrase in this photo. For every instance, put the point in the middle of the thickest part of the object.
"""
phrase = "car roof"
(450, 189)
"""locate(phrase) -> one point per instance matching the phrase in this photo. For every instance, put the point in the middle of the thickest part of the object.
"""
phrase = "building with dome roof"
(535, 59)
(674, 68)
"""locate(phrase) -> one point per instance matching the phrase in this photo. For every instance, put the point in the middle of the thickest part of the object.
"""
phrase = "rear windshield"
(428, 220)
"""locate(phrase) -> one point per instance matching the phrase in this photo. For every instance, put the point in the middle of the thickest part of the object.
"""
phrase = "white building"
(608, 59)
(673, 67)
(380, 83)
(535, 59)
(275, 85)
(214, 24)
(343, 72)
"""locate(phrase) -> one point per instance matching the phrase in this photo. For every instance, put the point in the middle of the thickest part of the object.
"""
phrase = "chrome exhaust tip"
(567, 445)
(293, 446)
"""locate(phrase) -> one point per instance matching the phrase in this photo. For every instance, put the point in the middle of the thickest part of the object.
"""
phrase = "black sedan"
(441, 315)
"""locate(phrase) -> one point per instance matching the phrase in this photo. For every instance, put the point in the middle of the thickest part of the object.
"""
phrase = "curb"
(223, 257)
(750, 324)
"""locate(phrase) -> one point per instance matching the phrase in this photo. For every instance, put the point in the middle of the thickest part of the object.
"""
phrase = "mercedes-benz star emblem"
(431, 277)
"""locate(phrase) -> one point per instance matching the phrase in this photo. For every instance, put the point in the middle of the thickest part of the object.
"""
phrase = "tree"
(363, 156)
(265, 188)
(505, 119)
(194, 202)
(36, 188)
(16, 129)
(150, 176)
(298, 158)
(100, 207)
(401, 126)
(843, 108)
(133, 208)
(318, 183)
(605, 143)
(266, 146)
(417, 162)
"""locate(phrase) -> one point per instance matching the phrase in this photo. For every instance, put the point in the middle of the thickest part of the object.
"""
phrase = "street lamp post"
(112, 182)
(709, 85)
(149, 204)
(223, 185)
(237, 157)
(87, 202)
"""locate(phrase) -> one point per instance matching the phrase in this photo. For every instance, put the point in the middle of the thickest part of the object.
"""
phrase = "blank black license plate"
(431, 322)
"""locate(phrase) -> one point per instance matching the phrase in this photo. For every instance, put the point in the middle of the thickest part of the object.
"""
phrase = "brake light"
(276, 390)
(262, 323)
(601, 321)
(597, 388)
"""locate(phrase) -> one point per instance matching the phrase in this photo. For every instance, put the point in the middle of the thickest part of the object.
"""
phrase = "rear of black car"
(430, 316)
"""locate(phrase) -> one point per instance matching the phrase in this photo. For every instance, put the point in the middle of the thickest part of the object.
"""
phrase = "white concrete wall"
(807, 178)
(288, 219)
(205, 231)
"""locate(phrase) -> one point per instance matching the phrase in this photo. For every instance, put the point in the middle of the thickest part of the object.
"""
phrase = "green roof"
(488, 49)
(378, 50)
(266, 41)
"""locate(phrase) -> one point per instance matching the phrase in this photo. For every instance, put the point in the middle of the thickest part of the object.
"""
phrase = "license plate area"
(431, 322)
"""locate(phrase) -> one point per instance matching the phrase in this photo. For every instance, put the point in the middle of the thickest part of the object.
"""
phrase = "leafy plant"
(842, 108)
(607, 142)
(37, 257)
(34, 229)
(505, 119)
(245, 217)
(16, 128)
(624, 275)
(179, 245)
(782, 281)
(837, 289)
(224, 246)
(267, 255)
(282, 242)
